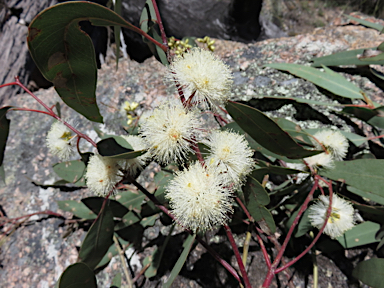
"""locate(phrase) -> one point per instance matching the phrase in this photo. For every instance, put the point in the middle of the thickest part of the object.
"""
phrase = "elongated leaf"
(109, 147)
(294, 131)
(98, 239)
(266, 132)
(149, 221)
(369, 24)
(129, 219)
(78, 275)
(344, 58)
(116, 281)
(71, 171)
(328, 79)
(254, 145)
(256, 197)
(76, 208)
(112, 251)
(361, 234)
(130, 199)
(95, 204)
(180, 262)
(304, 225)
(65, 55)
(370, 272)
(369, 195)
(4, 131)
(148, 23)
(364, 174)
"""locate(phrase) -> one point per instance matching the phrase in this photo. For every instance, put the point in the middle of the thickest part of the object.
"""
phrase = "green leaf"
(129, 219)
(71, 171)
(256, 197)
(366, 23)
(116, 281)
(76, 208)
(180, 262)
(131, 199)
(294, 131)
(152, 268)
(98, 239)
(4, 131)
(78, 275)
(148, 23)
(149, 221)
(95, 204)
(304, 225)
(161, 180)
(112, 251)
(328, 79)
(266, 132)
(363, 174)
(344, 58)
(109, 147)
(368, 195)
(253, 144)
(361, 234)
(370, 272)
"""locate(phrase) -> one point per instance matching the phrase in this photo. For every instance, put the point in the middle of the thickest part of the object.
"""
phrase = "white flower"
(201, 74)
(198, 199)
(102, 174)
(340, 220)
(132, 165)
(333, 141)
(322, 160)
(59, 140)
(170, 130)
(231, 154)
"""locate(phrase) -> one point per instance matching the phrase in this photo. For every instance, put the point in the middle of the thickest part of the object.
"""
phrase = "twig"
(123, 262)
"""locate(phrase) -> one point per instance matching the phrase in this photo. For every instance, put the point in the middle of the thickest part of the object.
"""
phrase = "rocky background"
(35, 254)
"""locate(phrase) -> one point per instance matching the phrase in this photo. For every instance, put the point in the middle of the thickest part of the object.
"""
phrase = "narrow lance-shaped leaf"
(109, 147)
(328, 79)
(98, 239)
(363, 174)
(256, 197)
(361, 234)
(345, 58)
(266, 132)
(369, 24)
(180, 262)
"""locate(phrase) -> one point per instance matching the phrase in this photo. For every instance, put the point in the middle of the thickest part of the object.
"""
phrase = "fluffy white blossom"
(230, 154)
(59, 140)
(322, 160)
(102, 174)
(198, 199)
(340, 220)
(201, 74)
(170, 130)
(135, 164)
(333, 141)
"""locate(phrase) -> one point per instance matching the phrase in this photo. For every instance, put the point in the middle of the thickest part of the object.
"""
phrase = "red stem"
(50, 111)
(238, 256)
(271, 272)
(160, 23)
(329, 210)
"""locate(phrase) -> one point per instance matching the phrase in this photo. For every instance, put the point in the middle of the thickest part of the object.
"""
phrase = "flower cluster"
(340, 220)
(202, 76)
(335, 145)
(170, 130)
(60, 140)
(199, 198)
